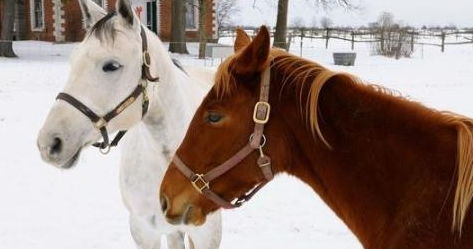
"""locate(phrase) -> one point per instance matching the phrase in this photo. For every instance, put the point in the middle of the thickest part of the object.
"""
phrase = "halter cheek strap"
(201, 182)
(145, 73)
(100, 122)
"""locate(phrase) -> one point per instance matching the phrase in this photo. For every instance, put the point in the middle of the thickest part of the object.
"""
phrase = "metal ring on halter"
(146, 58)
(261, 143)
(105, 150)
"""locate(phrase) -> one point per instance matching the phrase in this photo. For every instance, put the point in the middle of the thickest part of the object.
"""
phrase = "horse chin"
(73, 161)
(198, 222)
(194, 216)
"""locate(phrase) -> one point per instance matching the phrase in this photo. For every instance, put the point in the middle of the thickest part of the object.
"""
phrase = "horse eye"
(111, 66)
(214, 117)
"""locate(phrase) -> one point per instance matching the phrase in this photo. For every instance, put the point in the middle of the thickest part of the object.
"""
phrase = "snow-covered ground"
(43, 207)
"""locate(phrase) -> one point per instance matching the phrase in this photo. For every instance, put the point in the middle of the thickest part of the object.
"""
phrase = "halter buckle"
(146, 58)
(261, 107)
(105, 151)
(100, 123)
(199, 183)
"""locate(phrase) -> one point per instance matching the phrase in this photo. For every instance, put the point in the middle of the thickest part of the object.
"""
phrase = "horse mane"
(303, 72)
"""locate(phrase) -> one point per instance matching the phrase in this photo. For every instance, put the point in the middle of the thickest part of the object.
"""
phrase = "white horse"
(105, 68)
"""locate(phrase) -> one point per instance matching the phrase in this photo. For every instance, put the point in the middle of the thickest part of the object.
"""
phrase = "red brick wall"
(73, 21)
(73, 29)
(47, 33)
(111, 4)
(73, 25)
(165, 22)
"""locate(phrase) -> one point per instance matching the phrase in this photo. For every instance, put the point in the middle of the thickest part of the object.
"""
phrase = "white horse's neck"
(173, 99)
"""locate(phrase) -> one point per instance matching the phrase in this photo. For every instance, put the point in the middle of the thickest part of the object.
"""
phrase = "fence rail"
(444, 37)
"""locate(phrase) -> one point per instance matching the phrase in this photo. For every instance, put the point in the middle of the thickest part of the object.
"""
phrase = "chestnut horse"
(398, 174)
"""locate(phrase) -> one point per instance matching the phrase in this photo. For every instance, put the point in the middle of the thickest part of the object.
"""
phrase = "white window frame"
(195, 4)
(33, 19)
(104, 3)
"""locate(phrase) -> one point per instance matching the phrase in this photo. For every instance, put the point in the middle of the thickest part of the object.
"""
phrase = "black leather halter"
(100, 122)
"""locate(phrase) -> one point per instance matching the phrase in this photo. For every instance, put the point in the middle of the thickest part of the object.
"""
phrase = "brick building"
(61, 21)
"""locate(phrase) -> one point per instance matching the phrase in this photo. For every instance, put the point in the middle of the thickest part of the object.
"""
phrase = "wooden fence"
(440, 38)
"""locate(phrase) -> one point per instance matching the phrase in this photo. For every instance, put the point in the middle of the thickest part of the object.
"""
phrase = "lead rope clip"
(105, 150)
(263, 160)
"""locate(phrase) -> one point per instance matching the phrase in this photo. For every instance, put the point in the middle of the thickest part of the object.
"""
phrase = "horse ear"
(91, 13)
(253, 58)
(125, 12)
(242, 40)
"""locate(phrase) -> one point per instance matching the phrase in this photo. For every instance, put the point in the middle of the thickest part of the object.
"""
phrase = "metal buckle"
(261, 104)
(146, 58)
(105, 150)
(100, 123)
(238, 202)
(199, 179)
(262, 141)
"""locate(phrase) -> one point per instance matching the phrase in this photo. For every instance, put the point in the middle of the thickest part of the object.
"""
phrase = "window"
(151, 14)
(37, 15)
(99, 2)
(192, 15)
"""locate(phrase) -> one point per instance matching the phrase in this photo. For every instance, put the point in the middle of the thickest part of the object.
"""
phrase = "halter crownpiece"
(257, 141)
(100, 122)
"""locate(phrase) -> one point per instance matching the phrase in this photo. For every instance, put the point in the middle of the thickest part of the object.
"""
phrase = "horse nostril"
(164, 203)
(56, 146)
(187, 215)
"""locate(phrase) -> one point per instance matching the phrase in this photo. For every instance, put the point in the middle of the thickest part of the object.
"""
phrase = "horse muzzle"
(185, 214)
(54, 150)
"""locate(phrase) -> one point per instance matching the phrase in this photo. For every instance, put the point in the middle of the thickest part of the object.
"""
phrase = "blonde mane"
(308, 72)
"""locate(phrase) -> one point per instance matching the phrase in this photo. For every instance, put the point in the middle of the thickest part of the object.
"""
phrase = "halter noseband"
(100, 122)
(201, 182)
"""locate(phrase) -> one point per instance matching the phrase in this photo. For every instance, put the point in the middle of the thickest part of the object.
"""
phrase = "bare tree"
(385, 20)
(314, 22)
(226, 8)
(394, 40)
(297, 23)
(281, 21)
(178, 27)
(281, 25)
(333, 3)
(20, 20)
(326, 22)
(202, 30)
(6, 37)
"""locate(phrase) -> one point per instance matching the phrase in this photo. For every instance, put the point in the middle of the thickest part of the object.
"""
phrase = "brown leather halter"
(201, 182)
(100, 122)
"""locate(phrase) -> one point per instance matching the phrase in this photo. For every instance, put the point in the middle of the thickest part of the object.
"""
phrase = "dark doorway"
(151, 16)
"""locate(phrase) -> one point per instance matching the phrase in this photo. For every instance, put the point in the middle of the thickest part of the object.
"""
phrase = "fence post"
(412, 41)
(302, 38)
(443, 41)
(327, 33)
(352, 40)
(381, 43)
(289, 41)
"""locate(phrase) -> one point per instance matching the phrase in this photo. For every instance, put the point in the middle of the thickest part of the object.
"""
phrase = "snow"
(43, 207)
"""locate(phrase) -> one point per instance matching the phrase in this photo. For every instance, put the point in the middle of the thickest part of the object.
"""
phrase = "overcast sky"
(412, 12)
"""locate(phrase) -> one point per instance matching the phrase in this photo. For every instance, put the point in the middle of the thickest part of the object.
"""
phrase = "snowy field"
(43, 207)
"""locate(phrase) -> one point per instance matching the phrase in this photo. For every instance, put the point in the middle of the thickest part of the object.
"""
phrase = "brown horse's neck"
(391, 169)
